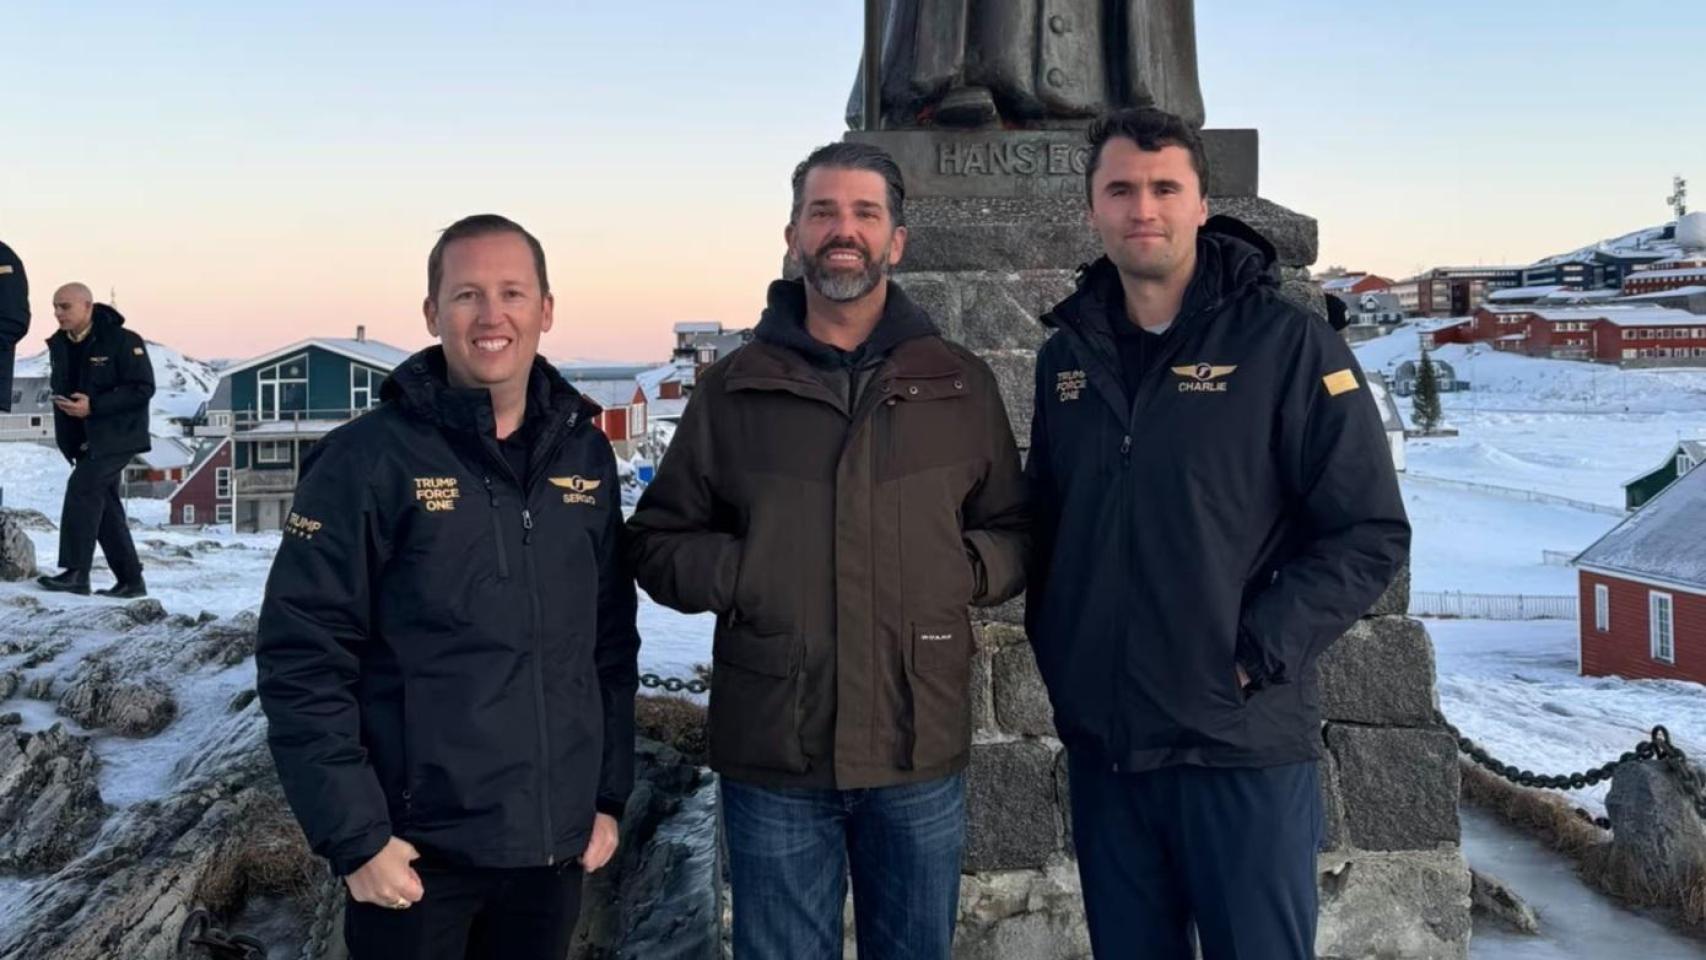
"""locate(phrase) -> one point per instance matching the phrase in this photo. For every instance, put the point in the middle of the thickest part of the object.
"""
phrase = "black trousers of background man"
(470, 913)
(94, 513)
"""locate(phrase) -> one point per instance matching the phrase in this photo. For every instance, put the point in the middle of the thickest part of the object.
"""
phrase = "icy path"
(1576, 923)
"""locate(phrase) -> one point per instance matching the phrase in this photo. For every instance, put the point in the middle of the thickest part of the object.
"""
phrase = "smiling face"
(844, 235)
(489, 311)
(1147, 206)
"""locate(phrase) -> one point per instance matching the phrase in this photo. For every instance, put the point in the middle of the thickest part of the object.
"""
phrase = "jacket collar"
(783, 324)
(420, 385)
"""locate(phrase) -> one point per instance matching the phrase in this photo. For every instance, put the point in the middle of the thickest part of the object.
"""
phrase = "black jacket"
(447, 651)
(1242, 509)
(119, 379)
(14, 318)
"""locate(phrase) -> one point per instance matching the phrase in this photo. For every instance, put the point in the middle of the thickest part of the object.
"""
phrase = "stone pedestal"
(1393, 880)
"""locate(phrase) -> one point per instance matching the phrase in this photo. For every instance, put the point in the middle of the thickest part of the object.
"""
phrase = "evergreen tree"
(1426, 412)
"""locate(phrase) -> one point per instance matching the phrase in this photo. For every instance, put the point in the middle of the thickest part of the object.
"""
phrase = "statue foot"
(967, 107)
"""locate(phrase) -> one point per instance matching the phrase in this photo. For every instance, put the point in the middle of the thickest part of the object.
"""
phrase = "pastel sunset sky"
(248, 174)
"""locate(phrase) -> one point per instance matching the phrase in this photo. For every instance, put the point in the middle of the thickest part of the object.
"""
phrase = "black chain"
(320, 931)
(673, 684)
(1658, 746)
(198, 931)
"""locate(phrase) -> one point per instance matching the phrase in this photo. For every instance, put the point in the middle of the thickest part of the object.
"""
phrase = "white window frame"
(263, 446)
(370, 379)
(1601, 608)
(188, 513)
(222, 483)
(272, 377)
(1661, 626)
(222, 513)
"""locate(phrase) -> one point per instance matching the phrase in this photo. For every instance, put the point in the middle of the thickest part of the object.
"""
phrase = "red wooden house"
(205, 495)
(1643, 590)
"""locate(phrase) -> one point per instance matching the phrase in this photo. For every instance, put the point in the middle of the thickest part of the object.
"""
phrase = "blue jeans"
(790, 852)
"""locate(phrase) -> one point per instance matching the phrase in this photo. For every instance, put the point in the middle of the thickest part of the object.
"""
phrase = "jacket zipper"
(498, 530)
(535, 470)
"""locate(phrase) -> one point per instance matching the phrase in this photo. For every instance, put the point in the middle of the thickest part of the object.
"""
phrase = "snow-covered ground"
(1512, 687)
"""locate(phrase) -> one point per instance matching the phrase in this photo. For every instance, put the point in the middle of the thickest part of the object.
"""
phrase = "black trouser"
(1228, 851)
(472, 913)
(93, 512)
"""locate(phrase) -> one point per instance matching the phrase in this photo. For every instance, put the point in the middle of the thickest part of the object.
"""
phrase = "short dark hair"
(480, 225)
(846, 155)
(1151, 129)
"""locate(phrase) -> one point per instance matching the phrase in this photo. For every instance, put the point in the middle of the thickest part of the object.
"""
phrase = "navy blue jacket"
(118, 378)
(1241, 509)
(446, 651)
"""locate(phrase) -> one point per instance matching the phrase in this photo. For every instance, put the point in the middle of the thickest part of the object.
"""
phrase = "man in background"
(102, 381)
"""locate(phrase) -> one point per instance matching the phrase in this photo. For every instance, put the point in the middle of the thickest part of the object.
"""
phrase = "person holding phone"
(102, 381)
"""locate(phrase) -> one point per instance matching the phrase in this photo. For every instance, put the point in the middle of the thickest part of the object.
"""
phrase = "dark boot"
(68, 581)
(126, 589)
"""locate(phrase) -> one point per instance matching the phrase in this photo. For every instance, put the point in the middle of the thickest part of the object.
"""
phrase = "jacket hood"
(105, 315)
(783, 323)
(421, 386)
(100, 318)
(1232, 260)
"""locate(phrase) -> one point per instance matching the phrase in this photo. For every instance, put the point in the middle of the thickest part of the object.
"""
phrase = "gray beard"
(841, 287)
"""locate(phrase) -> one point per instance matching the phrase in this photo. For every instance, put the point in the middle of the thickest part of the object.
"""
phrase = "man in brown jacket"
(837, 492)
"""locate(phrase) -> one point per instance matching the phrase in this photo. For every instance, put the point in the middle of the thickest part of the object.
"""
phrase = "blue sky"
(242, 173)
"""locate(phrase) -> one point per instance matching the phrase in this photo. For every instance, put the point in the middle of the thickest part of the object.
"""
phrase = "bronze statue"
(1032, 63)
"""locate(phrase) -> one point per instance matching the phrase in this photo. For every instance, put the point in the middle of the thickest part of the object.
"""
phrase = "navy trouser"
(1231, 850)
(472, 913)
(790, 851)
(93, 512)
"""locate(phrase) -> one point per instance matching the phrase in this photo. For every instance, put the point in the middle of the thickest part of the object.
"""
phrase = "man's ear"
(429, 310)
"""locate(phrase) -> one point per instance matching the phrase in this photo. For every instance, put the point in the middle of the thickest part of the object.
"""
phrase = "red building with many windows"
(1643, 590)
(1610, 334)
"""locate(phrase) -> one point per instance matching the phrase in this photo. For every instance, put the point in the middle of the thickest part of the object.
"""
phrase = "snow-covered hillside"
(181, 384)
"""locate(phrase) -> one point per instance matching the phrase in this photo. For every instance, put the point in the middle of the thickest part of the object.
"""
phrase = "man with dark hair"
(446, 651)
(1215, 504)
(102, 381)
(14, 318)
(837, 492)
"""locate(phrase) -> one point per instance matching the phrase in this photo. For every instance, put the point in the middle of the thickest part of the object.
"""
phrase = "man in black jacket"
(102, 381)
(1215, 505)
(446, 651)
(14, 318)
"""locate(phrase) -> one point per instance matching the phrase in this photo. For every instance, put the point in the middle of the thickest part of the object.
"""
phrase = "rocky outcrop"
(101, 699)
(17, 553)
(50, 806)
(1494, 901)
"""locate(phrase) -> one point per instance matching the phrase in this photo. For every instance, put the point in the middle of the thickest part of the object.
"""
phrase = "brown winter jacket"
(839, 547)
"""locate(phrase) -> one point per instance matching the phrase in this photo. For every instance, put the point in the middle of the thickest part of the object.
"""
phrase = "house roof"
(1672, 294)
(608, 393)
(1661, 541)
(698, 326)
(1518, 294)
(167, 453)
(371, 352)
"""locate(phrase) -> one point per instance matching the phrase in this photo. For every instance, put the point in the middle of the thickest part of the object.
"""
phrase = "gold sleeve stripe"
(1342, 382)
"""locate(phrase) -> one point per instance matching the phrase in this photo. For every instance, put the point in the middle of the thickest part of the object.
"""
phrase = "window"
(222, 513)
(1601, 607)
(364, 388)
(1661, 627)
(189, 513)
(1684, 463)
(282, 389)
(272, 451)
(35, 421)
(222, 483)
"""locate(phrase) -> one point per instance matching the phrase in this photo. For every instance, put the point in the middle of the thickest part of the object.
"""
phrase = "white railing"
(1518, 494)
(1492, 606)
